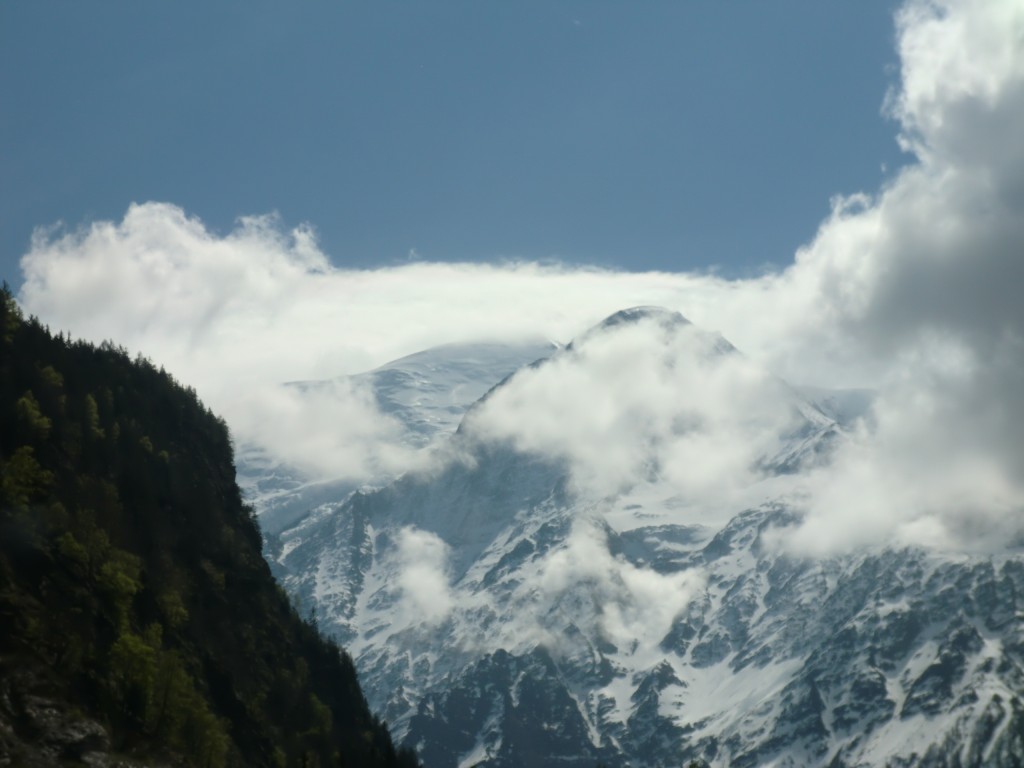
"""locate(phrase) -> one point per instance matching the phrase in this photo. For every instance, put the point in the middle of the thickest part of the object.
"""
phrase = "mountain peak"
(662, 315)
(668, 319)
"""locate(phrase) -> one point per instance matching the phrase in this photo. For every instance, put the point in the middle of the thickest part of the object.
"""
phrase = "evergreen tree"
(131, 574)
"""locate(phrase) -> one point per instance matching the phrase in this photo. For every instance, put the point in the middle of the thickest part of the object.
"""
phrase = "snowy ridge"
(427, 393)
(430, 391)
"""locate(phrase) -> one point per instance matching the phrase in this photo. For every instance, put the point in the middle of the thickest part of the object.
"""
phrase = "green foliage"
(32, 420)
(173, 609)
(132, 676)
(51, 377)
(69, 549)
(118, 581)
(153, 692)
(10, 316)
(22, 478)
(92, 417)
(132, 571)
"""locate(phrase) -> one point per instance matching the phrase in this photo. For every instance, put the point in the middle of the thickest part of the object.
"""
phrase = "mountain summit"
(667, 317)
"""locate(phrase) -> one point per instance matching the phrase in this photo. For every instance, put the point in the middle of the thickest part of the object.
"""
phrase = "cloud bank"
(912, 288)
(653, 398)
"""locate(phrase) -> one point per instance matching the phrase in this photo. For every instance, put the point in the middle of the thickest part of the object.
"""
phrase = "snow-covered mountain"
(570, 587)
(426, 393)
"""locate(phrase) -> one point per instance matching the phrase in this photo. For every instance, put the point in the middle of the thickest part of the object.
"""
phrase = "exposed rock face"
(39, 731)
(885, 658)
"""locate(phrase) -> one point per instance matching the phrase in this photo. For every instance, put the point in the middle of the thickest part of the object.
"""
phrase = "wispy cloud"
(635, 607)
(426, 594)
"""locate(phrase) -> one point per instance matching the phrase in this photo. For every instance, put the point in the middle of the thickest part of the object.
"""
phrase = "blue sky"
(663, 135)
(680, 136)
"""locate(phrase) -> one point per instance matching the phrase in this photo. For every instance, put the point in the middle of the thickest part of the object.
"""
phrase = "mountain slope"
(138, 620)
(549, 598)
(424, 395)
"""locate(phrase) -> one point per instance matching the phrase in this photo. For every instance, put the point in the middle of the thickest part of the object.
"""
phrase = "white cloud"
(238, 314)
(422, 558)
(578, 590)
(265, 304)
(914, 289)
(334, 431)
(635, 607)
(654, 398)
(938, 468)
(923, 283)
(961, 79)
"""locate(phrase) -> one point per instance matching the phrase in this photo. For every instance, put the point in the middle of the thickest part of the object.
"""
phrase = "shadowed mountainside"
(139, 623)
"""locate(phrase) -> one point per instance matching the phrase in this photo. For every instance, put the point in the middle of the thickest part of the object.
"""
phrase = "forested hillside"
(138, 618)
